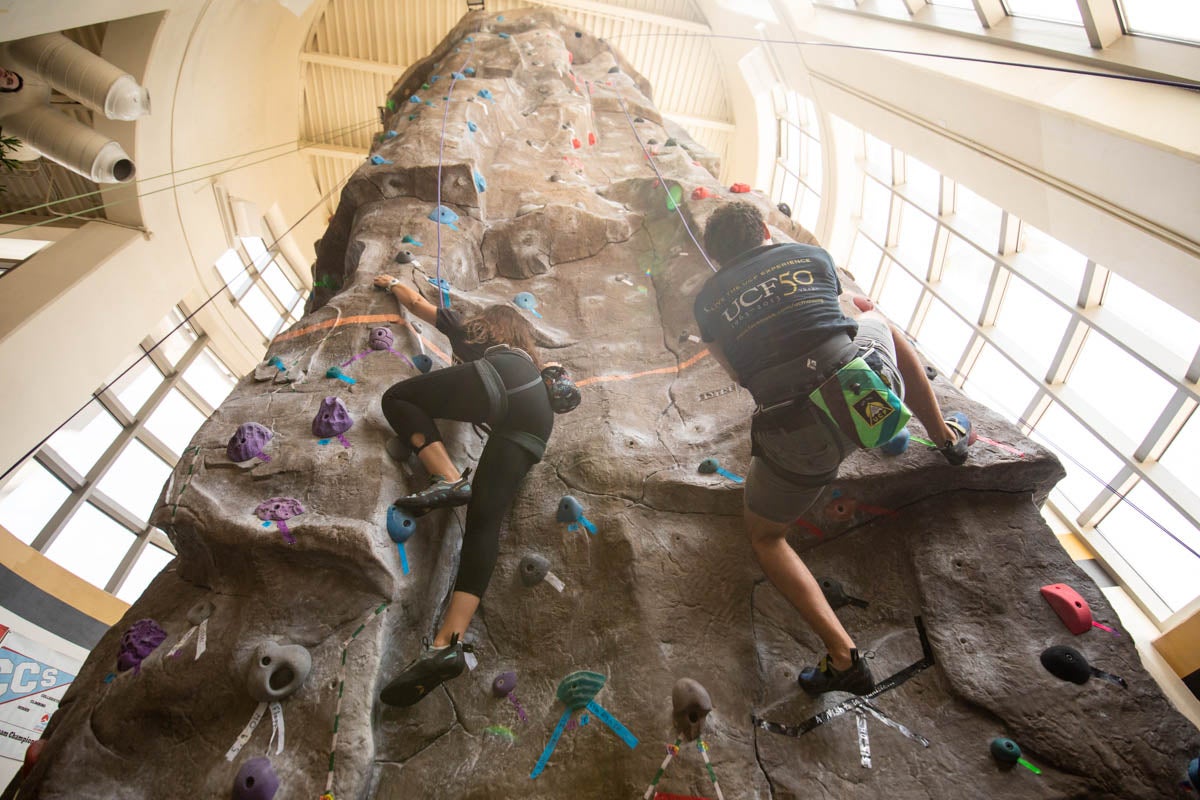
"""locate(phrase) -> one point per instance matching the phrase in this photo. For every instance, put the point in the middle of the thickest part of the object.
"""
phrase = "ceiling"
(358, 49)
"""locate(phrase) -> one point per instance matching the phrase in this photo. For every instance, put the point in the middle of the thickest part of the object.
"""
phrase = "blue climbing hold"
(414, 99)
(410, 240)
(444, 216)
(400, 525)
(469, 39)
(570, 511)
(480, 183)
(503, 35)
(376, 159)
(486, 95)
(469, 70)
(390, 135)
(528, 302)
(471, 126)
(434, 78)
(1194, 773)
(710, 466)
(422, 362)
(897, 444)
(458, 76)
(500, 19)
(440, 283)
(336, 372)
(277, 363)
(430, 104)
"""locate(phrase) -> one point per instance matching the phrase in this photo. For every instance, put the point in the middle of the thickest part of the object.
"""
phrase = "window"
(997, 382)
(899, 296)
(798, 172)
(943, 337)
(1089, 463)
(1127, 393)
(1053, 10)
(1032, 322)
(263, 284)
(1173, 329)
(1168, 19)
(966, 273)
(112, 490)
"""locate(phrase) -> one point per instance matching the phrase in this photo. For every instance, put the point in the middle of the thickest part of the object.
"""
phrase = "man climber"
(772, 318)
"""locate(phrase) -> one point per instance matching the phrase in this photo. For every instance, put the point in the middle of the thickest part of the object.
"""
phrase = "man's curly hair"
(733, 229)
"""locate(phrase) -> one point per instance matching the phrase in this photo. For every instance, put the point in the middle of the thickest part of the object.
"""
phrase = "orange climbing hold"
(740, 188)
(576, 144)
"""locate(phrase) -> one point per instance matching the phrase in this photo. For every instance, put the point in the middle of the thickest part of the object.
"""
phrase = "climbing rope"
(661, 180)
(441, 150)
(146, 353)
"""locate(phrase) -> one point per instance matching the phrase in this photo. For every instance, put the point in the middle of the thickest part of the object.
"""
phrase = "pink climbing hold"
(701, 193)
(740, 188)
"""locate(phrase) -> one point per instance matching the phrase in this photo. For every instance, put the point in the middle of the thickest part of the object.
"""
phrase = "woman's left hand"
(383, 280)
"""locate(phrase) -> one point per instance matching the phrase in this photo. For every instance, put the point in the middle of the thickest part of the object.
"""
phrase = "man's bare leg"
(785, 570)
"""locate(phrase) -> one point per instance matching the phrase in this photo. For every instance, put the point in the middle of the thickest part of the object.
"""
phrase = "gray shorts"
(813, 449)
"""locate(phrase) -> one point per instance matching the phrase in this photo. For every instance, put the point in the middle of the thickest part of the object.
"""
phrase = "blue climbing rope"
(441, 149)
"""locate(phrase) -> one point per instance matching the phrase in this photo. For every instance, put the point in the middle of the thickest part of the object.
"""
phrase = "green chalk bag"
(862, 406)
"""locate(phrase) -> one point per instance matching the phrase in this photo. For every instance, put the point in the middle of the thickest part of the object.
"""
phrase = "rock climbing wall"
(289, 606)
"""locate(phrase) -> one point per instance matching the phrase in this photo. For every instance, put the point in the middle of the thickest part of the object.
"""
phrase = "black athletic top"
(451, 324)
(773, 304)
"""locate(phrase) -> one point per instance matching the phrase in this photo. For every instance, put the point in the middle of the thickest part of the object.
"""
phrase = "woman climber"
(498, 382)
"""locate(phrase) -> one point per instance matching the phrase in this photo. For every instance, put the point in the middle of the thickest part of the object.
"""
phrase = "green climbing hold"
(676, 194)
(579, 688)
(391, 104)
(425, 86)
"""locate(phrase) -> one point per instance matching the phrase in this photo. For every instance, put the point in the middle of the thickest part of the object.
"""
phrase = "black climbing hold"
(1005, 751)
(554, 177)
(578, 34)
(652, 141)
(835, 593)
(930, 372)
(785, 209)
(1066, 663)
(638, 119)
(614, 69)
(670, 142)
(533, 569)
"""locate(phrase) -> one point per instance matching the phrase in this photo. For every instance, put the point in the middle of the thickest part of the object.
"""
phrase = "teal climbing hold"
(469, 39)
(480, 182)
(430, 104)
(469, 70)
(390, 135)
(486, 95)
(528, 302)
(579, 688)
(336, 372)
(376, 159)
(434, 78)
(445, 216)
(414, 100)
(408, 239)
(471, 126)
(458, 76)
(503, 35)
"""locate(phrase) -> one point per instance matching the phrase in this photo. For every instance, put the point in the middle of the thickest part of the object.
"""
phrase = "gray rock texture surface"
(666, 588)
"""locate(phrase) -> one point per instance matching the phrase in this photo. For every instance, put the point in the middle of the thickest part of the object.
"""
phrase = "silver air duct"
(82, 75)
(70, 143)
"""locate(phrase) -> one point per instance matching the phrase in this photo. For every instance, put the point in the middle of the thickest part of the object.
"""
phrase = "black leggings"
(458, 393)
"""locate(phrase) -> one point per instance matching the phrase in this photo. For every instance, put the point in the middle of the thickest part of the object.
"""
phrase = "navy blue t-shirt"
(773, 304)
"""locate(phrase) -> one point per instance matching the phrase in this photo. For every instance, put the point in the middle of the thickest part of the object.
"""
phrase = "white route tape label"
(554, 581)
(187, 637)
(202, 641)
(246, 733)
(276, 727)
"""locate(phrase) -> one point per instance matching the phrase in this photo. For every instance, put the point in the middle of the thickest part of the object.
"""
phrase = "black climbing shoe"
(824, 678)
(440, 494)
(431, 670)
(956, 451)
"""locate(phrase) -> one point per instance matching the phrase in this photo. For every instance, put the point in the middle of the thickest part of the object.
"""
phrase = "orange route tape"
(371, 319)
(366, 319)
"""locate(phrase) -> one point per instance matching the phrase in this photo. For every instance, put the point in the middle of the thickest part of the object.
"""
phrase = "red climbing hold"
(740, 188)
(701, 193)
(576, 144)
(591, 139)
(570, 57)
(1070, 607)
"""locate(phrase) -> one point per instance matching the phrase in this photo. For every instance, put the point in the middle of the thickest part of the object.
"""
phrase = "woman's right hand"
(382, 281)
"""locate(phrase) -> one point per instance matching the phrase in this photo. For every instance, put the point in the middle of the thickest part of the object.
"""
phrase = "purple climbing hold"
(381, 339)
(138, 643)
(256, 780)
(278, 509)
(248, 442)
(504, 683)
(332, 418)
